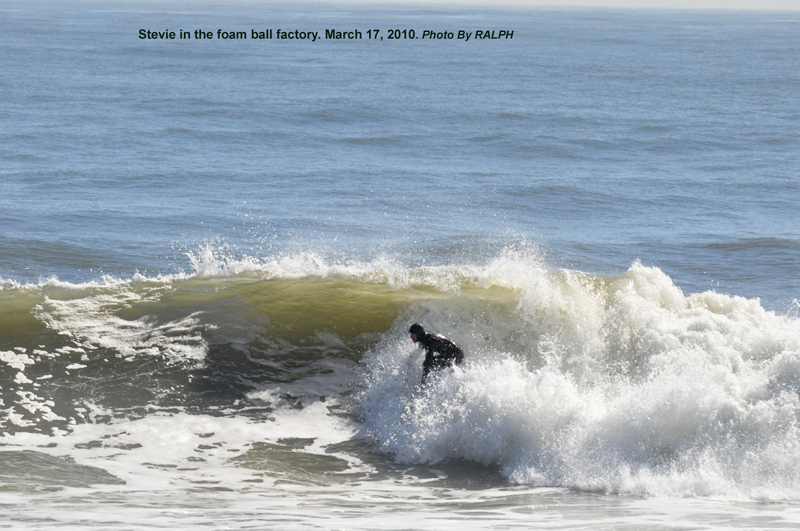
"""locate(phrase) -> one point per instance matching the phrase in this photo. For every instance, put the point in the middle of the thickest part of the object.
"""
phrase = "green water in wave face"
(306, 203)
(199, 342)
(272, 379)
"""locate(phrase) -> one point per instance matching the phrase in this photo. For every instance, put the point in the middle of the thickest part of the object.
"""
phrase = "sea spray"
(622, 384)
(611, 383)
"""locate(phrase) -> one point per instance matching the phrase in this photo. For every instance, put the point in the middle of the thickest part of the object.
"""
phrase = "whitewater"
(211, 253)
(604, 384)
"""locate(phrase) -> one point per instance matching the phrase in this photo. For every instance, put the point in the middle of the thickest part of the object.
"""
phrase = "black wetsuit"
(440, 352)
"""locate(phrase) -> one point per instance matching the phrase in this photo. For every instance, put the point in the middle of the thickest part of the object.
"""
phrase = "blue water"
(602, 136)
(210, 252)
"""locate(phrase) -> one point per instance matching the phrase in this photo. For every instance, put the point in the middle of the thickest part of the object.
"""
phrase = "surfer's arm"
(427, 365)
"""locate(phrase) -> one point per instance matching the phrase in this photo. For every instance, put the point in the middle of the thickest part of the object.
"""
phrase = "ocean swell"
(612, 383)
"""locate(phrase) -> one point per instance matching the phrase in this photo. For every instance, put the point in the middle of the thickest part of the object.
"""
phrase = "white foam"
(16, 361)
(168, 451)
(219, 260)
(213, 261)
(619, 384)
(92, 322)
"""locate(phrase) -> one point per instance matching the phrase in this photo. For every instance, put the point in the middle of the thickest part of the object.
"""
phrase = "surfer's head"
(416, 331)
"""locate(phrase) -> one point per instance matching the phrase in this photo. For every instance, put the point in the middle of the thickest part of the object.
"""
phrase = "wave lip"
(612, 383)
(603, 383)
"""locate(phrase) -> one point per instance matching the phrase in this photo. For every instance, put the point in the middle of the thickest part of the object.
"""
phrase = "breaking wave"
(612, 383)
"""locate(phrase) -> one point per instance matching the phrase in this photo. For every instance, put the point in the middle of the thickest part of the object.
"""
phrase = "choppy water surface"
(210, 253)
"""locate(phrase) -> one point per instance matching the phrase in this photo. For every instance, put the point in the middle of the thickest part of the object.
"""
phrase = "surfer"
(440, 352)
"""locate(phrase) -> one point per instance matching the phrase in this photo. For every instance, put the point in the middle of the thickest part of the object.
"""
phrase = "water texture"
(211, 251)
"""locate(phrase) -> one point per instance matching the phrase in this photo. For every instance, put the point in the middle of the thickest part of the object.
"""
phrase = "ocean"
(211, 250)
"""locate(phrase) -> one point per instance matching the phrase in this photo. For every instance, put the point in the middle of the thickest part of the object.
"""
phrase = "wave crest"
(608, 383)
